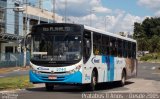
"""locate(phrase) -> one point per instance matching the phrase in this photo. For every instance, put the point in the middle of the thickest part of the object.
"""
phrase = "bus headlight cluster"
(75, 70)
(33, 70)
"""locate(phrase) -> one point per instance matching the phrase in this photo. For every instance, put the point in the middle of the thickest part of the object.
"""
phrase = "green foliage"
(147, 34)
(153, 57)
(146, 58)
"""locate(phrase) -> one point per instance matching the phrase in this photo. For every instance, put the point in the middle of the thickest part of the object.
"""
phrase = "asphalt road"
(149, 71)
(148, 80)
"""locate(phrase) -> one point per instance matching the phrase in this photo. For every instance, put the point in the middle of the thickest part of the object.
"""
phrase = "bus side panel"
(100, 64)
(131, 67)
(119, 65)
(87, 71)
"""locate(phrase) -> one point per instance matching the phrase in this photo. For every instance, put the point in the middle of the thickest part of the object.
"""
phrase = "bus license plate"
(52, 77)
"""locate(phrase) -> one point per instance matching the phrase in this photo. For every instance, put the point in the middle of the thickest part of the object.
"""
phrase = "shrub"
(146, 57)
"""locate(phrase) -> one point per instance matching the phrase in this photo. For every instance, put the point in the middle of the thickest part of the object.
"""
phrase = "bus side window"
(129, 50)
(105, 45)
(97, 44)
(125, 49)
(86, 46)
(119, 41)
(113, 46)
(134, 50)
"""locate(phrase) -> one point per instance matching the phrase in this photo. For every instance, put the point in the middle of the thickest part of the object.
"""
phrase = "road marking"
(153, 68)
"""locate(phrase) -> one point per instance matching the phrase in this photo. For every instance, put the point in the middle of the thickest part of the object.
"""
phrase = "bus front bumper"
(75, 78)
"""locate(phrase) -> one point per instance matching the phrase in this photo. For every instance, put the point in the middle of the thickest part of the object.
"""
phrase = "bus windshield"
(56, 47)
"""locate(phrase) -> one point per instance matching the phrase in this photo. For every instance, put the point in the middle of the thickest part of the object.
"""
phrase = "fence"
(13, 59)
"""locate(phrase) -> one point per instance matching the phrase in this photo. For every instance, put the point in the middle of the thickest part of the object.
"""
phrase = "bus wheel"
(123, 78)
(93, 81)
(49, 86)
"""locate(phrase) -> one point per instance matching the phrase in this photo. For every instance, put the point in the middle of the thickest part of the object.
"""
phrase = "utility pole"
(91, 11)
(54, 10)
(106, 19)
(65, 18)
(40, 4)
(25, 33)
(105, 24)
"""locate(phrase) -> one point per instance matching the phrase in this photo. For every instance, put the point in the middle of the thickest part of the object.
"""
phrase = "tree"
(147, 34)
(138, 31)
(155, 44)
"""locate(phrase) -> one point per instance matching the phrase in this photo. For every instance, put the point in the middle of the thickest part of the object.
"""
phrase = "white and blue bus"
(63, 53)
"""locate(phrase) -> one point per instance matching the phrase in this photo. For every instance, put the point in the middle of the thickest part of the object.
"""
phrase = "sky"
(111, 15)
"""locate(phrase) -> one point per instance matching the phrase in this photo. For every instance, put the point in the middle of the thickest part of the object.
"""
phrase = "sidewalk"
(12, 69)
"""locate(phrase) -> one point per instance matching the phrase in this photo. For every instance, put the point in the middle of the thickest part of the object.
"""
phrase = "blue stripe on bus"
(111, 69)
(109, 61)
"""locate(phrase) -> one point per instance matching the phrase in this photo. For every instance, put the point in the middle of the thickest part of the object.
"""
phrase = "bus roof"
(93, 29)
(108, 33)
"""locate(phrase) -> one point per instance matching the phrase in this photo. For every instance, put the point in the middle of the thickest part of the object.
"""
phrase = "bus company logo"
(94, 60)
(42, 68)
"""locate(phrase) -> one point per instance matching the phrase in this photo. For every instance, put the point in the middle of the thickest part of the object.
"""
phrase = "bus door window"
(86, 45)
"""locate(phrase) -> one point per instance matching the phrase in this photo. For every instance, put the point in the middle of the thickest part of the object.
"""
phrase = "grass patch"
(152, 57)
(17, 82)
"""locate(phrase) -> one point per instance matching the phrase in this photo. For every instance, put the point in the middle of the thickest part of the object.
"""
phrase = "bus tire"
(123, 78)
(49, 86)
(92, 85)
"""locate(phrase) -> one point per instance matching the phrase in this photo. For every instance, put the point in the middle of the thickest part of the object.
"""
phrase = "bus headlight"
(36, 72)
(33, 70)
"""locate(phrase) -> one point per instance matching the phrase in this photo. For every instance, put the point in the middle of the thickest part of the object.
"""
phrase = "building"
(10, 26)
(14, 25)
(37, 16)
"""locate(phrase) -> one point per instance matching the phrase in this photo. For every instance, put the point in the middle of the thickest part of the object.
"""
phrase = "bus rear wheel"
(92, 85)
(49, 86)
(123, 78)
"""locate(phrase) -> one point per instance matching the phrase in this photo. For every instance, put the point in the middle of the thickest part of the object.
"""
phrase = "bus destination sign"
(56, 29)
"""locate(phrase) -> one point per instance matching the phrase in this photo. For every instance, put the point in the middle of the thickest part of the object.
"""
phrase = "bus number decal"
(61, 69)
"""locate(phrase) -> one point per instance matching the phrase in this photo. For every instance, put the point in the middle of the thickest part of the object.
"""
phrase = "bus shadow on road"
(111, 86)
